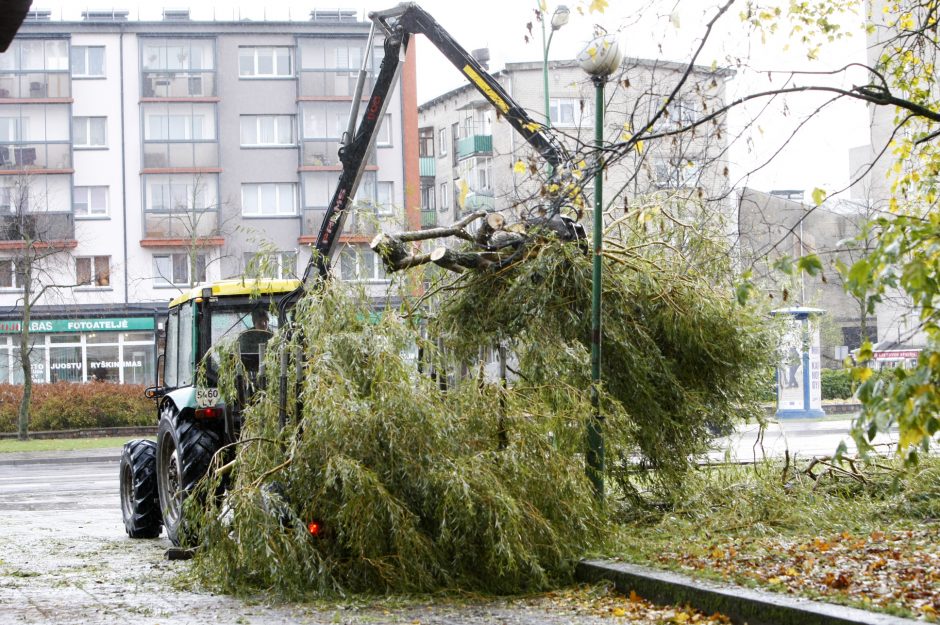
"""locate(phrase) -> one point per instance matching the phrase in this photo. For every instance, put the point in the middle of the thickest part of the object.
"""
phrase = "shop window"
(93, 271)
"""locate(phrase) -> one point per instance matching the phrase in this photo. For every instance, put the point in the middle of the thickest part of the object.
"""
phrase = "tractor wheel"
(184, 451)
(140, 505)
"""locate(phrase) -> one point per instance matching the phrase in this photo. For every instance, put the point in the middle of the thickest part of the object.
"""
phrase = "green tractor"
(194, 420)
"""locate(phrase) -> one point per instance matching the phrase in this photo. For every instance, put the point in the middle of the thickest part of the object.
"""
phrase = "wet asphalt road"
(64, 558)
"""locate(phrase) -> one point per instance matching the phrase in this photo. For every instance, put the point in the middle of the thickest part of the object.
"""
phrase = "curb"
(741, 605)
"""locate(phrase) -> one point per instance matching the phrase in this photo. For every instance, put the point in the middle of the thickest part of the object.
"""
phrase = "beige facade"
(466, 145)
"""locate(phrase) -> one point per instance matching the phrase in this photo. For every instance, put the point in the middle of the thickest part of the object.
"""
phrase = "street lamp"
(559, 19)
(599, 59)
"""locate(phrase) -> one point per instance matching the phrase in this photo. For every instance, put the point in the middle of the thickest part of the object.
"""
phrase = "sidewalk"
(78, 456)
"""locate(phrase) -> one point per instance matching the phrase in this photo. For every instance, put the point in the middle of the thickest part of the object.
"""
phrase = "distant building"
(771, 226)
(162, 153)
(465, 145)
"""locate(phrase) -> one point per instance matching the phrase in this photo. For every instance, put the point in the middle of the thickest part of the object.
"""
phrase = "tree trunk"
(25, 362)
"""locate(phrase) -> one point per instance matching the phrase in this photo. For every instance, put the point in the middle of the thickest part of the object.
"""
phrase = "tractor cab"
(195, 421)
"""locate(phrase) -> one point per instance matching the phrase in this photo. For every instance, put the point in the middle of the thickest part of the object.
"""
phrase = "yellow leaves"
(464, 190)
(598, 5)
(681, 617)
(910, 435)
(519, 167)
(792, 572)
(619, 612)
(533, 126)
(819, 196)
(639, 147)
(592, 51)
(862, 374)
(906, 21)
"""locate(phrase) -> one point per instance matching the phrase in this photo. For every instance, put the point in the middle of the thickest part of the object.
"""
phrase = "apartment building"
(150, 155)
(468, 153)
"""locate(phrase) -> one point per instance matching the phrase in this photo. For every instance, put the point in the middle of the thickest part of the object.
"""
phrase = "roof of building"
(526, 66)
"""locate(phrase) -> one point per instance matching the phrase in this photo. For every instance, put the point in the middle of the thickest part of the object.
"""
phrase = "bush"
(837, 384)
(69, 406)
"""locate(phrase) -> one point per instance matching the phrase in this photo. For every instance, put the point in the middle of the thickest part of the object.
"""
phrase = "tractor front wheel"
(140, 505)
(184, 451)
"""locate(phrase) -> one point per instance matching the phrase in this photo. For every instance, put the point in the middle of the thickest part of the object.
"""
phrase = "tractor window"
(185, 345)
(228, 323)
(172, 351)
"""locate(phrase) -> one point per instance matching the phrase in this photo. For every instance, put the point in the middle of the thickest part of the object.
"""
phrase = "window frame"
(444, 204)
(258, 120)
(442, 141)
(85, 59)
(94, 277)
(384, 133)
(86, 121)
(357, 252)
(15, 285)
(291, 65)
(578, 112)
(162, 282)
(277, 191)
(90, 214)
(280, 260)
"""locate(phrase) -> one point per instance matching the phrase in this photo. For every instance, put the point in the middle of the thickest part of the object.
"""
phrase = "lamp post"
(559, 19)
(599, 59)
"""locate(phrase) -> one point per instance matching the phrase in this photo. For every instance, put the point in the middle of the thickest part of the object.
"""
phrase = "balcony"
(482, 200)
(185, 225)
(38, 227)
(178, 85)
(427, 166)
(428, 219)
(33, 156)
(181, 155)
(474, 145)
(35, 85)
(331, 83)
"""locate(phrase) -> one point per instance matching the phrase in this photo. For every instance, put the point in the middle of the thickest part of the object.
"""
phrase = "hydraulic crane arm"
(398, 26)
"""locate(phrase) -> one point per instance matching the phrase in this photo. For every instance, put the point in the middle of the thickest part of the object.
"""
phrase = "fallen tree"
(415, 484)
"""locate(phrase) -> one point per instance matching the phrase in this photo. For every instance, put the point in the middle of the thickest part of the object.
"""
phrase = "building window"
(89, 132)
(93, 271)
(358, 264)
(425, 142)
(87, 61)
(566, 111)
(90, 201)
(178, 269)
(269, 199)
(427, 197)
(267, 130)
(10, 277)
(384, 132)
(178, 55)
(680, 112)
(179, 122)
(442, 142)
(275, 265)
(273, 62)
(445, 197)
(677, 173)
(484, 174)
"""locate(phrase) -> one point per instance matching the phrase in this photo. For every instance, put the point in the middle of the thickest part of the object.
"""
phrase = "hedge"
(68, 406)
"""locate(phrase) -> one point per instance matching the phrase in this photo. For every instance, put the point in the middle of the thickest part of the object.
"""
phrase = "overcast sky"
(818, 158)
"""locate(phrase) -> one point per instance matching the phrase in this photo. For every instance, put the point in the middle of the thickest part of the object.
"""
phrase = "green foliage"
(410, 483)
(68, 406)
(680, 357)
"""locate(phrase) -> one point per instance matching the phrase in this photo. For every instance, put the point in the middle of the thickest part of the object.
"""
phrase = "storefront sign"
(897, 354)
(114, 324)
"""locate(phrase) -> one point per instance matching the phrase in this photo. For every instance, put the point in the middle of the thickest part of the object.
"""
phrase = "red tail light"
(314, 528)
(208, 413)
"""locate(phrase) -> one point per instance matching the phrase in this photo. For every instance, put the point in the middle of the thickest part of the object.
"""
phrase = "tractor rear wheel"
(140, 505)
(184, 451)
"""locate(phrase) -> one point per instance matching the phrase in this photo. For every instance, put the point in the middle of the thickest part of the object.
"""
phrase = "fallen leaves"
(894, 569)
(605, 602)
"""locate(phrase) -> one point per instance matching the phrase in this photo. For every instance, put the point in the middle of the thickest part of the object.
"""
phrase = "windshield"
(229, 322)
